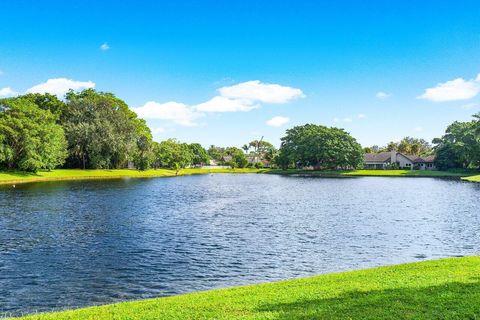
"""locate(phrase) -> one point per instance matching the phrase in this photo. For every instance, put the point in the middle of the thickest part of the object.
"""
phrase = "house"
(227, 158)
(394, 159)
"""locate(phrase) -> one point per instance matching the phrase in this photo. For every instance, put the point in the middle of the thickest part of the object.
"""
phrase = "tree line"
(458, 148)
(88, 130)
(97, 130)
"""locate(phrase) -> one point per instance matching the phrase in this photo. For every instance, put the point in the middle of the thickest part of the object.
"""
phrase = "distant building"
(227, 158)
(386, 160)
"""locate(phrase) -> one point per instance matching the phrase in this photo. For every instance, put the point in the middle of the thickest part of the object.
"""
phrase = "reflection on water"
(66, 244)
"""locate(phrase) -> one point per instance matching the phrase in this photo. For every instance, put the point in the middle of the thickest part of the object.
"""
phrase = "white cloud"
(277, 121)
(418, 129)
(157, 130)
(457, 89)
(242, 97)
(361, 116)
(263, 92)
(104, 47)
(60, 86)
(382, 95)
(223, 104)
(7, 92)
(347, 119)
(1, 72)
(177, 112)
(470, 106)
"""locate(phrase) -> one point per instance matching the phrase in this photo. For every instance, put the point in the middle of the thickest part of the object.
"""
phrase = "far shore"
(17, 177)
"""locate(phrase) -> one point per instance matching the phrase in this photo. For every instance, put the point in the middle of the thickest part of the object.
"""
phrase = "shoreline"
(425, 289)
(16, 177)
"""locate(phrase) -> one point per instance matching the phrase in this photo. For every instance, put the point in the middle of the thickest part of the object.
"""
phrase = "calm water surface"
(70, 244)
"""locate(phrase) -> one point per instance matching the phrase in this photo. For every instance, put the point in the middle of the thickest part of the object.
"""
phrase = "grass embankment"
(472, 178)
(439, 289)
(14, 177)
(377, 173)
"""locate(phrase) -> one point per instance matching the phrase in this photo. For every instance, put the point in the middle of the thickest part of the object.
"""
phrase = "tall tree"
(29, 137)
(200, 155)
(238, 158)
(459, 147)
(320, 147)
(102, 132)
(172, 154)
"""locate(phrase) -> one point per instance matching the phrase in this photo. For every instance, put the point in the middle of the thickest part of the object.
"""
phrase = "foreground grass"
(439, 289)
(13, 177)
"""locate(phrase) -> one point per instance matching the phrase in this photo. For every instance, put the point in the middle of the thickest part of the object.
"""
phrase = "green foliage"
(200, 155)
(48, 102)
(172, 154)
(102, 132)
(320, 147)
(407, 145)
(238, 158)
(29, 137)
(459, 147)
(216, 153)
(260, 150)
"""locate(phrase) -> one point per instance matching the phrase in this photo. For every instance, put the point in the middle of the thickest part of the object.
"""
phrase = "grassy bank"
(12, 177)
(439, 289)
(15, 177)
(378, 173)
(472, 178)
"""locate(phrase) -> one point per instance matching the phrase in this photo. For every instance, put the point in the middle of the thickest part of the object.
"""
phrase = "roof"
(429, 159)
(412, 157)
(418, 159)
(386, 156)
(377, 157)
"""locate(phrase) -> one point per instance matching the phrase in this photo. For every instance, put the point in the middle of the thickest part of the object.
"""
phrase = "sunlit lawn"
(11, 177)
(439, 289)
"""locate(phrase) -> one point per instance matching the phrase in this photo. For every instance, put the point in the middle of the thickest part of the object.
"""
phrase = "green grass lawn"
(472, 178)
(380, 173)
(13, 177)
(438, 289)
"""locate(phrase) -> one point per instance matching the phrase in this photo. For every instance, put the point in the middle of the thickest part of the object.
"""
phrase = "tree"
(216, 153)
(200, 155)
(320, 147)
(47, 101)
(29, 137)
(410, 145)
(459, 147)
(238, 158)
(172, 154)
(260, 150)
(102, 132)
(143, 155)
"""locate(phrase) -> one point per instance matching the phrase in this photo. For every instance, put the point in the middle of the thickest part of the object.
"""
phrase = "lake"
(79, 243)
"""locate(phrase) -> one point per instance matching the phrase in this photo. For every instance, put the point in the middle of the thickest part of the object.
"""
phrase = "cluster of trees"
(230, 156)
(90, 129)
(407, 145)
(459, 147)
(97, 130)
(319, 147)
(176, 155)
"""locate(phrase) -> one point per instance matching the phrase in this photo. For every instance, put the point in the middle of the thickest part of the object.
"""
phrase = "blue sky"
(324, 62)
